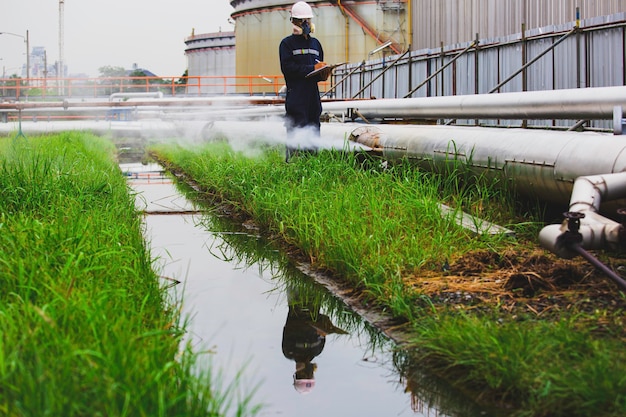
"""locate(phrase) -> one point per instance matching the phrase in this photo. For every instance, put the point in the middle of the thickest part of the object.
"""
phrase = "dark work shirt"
(298, 56)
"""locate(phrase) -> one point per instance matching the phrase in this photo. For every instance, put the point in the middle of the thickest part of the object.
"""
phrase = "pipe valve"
(572, 235)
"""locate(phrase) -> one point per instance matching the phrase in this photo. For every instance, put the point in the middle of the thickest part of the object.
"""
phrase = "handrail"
(98, 87)
(532, 61)
(381, 74)
(433, 75)
(334, 86)
(526, 65)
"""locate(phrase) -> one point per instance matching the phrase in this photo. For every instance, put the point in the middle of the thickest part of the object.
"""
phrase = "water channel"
(273, 328)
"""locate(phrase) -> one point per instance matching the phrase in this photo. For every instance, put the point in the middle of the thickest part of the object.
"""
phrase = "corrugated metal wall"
(456, 21)
(594, 56)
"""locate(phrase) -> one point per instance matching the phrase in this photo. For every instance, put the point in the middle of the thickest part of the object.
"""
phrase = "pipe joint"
(588, 230)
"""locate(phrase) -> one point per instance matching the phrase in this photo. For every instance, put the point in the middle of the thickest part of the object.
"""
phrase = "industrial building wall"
(448, 22)
(558, 58)
(258, 36)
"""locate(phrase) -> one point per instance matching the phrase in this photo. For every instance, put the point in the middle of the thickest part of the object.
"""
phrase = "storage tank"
(210, 55)
(348, 31)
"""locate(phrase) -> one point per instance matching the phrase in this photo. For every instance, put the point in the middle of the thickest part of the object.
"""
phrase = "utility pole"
(27, 59)
(61, 71)
(26, 40)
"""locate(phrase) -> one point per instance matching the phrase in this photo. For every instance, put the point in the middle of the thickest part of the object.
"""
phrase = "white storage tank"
(348, 31)
(210, 63)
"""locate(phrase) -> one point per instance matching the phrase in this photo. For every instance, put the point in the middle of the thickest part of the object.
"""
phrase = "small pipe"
(593, 103)
(605, 269)
(577, 125)
(157, 94)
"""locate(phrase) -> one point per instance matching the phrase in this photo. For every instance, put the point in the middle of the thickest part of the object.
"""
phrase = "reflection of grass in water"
(370, 226)
(85, 328)
(376, 227)
(244, 249)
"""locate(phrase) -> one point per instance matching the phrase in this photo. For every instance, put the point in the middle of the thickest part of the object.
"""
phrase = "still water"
(272, 328)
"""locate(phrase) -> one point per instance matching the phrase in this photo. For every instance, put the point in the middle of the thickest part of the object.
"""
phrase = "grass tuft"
(85, 328)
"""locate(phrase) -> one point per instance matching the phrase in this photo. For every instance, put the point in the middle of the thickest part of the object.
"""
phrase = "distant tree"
(112, 85)
(138, 73)
(152, 84)
(110, 71)
(183, 78)
(181, 83)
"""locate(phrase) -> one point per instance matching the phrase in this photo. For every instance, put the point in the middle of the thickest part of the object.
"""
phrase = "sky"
(118, 33)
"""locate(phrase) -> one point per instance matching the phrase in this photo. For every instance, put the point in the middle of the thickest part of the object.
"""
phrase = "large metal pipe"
(577, 103)
(542, 164)
(582, 103)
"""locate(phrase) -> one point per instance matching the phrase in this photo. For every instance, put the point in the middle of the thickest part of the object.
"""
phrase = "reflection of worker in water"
(304, 336)
(300, 54)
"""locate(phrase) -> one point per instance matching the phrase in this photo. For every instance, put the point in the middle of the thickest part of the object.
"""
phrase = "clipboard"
(324, 68)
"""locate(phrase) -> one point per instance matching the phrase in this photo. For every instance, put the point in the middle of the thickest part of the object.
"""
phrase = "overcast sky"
(118, 33)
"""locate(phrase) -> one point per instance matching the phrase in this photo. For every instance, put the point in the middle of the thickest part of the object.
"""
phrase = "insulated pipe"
(577, 103)
(186, 101)
(541, 164)
(589, 191)
(115, 96)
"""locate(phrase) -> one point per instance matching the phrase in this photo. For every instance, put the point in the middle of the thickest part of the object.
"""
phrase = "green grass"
(85, 328)
(373, 227)
(368, 226)
(554, 368)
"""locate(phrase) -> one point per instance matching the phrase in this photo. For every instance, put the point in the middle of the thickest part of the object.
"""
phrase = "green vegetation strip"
(85, 328)
(375, 226)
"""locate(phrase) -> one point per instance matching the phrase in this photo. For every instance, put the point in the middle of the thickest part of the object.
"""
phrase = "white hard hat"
(301, 10)
(304, 386)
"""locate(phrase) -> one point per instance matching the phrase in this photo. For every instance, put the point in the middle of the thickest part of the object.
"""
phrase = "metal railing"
(47, 88)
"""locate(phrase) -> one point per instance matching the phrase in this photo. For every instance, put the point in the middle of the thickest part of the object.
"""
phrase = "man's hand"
(325, 73)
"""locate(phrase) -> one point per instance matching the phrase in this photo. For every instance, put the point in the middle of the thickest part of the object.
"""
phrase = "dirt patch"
(519, 283)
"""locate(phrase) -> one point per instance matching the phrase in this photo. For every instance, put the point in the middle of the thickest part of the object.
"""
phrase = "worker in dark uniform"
(304, 337)
(300, 54)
